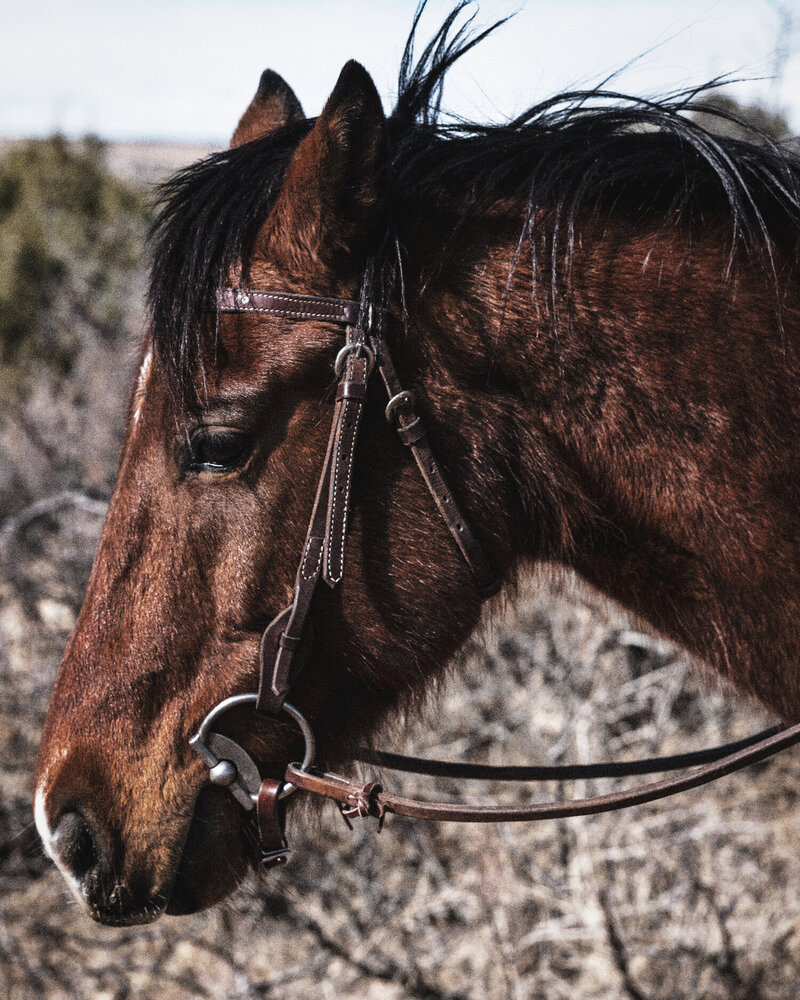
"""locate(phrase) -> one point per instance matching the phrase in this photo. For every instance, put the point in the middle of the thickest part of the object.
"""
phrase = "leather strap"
(351, 395)
(287, 305)
(558, 772)
(273, 849)
(284, 636)
(409, 425)
(286, 640)
(352, 794)
(411, 429)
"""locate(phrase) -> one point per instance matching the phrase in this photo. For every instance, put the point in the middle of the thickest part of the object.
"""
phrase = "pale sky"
(186, 69)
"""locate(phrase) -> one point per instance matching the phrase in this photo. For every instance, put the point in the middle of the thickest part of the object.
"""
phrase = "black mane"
(575, 152)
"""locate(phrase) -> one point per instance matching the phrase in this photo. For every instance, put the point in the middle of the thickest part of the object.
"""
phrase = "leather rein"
(287, 640)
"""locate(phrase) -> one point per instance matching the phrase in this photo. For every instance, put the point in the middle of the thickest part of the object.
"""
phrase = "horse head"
(596, 309)
(216, 481)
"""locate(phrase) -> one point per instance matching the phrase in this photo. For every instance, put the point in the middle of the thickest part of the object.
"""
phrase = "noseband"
(287, 640)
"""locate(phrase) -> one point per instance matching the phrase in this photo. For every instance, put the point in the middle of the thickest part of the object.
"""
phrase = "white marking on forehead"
(141, 386)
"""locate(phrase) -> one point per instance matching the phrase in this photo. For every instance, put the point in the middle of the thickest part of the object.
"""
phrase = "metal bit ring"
(200, 744)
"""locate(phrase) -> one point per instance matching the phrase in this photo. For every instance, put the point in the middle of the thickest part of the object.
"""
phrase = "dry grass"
(693, 897)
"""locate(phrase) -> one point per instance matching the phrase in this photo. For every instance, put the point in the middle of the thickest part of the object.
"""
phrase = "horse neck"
(593, 428)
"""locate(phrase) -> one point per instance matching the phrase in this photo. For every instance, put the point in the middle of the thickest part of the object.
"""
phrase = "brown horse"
(597, 310)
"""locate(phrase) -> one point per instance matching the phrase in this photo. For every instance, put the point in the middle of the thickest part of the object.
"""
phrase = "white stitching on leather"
(300, 313)
(299, 299)
(303, 571)
(303, 306)
(346, 406)
(331, 578)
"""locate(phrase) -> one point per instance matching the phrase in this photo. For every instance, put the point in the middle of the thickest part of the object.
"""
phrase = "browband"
(288, 305)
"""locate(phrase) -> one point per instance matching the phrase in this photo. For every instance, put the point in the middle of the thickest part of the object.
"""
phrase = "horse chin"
(215, 858)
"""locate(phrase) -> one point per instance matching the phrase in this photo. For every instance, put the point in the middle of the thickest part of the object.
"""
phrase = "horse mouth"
(148, 912)
(217, 855)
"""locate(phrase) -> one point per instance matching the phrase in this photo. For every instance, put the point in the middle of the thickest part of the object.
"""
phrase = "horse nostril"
(75, 845)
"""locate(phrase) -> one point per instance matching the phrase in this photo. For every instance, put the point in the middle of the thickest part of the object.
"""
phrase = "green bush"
(751, 122)
(70, 237)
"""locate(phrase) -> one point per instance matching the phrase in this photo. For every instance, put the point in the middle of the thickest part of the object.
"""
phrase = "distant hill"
(143, 162)
(150, 162)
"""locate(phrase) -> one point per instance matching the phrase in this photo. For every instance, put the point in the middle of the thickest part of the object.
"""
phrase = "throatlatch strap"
(412, 433)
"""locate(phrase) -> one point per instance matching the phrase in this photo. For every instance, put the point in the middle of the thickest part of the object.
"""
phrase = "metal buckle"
(271, 859)
(266, 859)
(404, 396)
(341, 357)
(230, 765)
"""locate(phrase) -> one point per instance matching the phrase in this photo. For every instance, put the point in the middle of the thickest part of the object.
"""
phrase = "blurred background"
(693, 897)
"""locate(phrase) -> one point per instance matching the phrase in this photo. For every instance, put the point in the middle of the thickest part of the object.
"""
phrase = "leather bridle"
(286, 641)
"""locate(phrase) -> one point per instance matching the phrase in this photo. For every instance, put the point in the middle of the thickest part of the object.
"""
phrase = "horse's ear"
(274, 105)
(333, 197)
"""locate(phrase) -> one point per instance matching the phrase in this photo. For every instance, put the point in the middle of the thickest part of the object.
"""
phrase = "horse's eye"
(218, 449)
